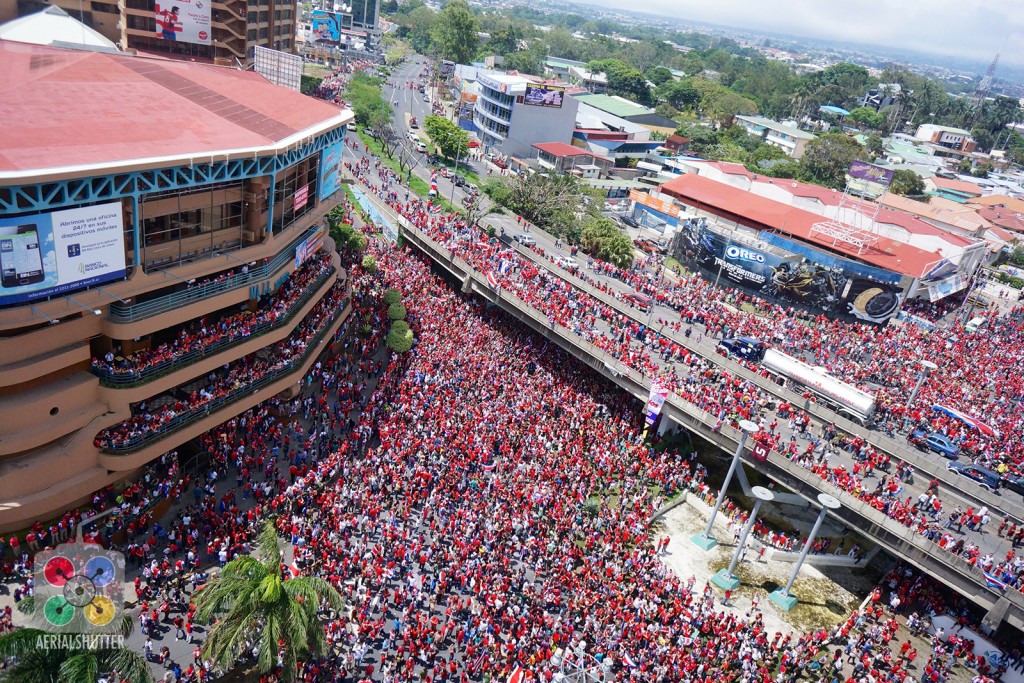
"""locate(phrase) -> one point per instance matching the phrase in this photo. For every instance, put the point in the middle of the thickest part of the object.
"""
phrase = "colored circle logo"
(79, 591)
(100, 570)
(58, 611)
(57, 570)
(100, 611)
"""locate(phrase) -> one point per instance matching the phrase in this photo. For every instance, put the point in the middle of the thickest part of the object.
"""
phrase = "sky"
(966, 28)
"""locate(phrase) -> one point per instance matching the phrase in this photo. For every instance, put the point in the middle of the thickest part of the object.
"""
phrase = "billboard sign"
(329, 27)
(544, 95)
(446, 68)
(759, 452)
(654, 403)
(804, 279)
(52, 253)
(187, 21)
(330, 169)
(667, 208)
(867, 179)
(280, 68)
(309, 246)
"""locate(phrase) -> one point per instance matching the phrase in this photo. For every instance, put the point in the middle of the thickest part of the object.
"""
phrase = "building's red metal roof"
(64, 108)
(765, 214)
(561, 149)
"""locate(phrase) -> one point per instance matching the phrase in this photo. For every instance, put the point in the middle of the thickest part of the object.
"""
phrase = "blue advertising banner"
(330, 169)
(51, 253)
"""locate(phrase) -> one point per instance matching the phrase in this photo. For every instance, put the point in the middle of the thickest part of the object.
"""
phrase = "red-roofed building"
(952, 185)
(759, 213)
(677, 143)
(151, 198)
(564, 158)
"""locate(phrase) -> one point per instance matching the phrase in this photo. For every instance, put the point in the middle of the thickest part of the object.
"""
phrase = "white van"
(974, 324)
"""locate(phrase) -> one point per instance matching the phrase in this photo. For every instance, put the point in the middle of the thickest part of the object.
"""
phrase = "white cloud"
(966, 28)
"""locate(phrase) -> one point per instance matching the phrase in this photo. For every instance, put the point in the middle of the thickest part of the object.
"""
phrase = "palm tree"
(44, 661)
(253, 608)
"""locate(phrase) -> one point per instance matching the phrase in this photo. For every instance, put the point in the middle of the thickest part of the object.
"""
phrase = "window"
(290, 181)
(251, 34)
(182, 226)
(263, 33)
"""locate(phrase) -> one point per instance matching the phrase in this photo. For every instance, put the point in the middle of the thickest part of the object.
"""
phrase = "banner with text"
(52, 253)
(655, 402)
(186, 21)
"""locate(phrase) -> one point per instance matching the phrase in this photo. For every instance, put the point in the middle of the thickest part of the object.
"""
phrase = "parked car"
(939, 443)
(500, 163)
(650, 246)
(412, 136)
(458, 180)
(631, 222)
(420, 147)
(747, 348)
(426, 97)
(525, 240)
(985, 477)
(413, 123)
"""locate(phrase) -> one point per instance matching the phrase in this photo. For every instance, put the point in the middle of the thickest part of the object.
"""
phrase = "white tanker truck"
(845, 399)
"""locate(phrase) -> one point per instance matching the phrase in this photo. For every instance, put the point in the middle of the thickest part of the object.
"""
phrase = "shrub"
(491, 232)
(396, 312)
(399, 341)
(357, 242)
(392, 296)
(365, 329)
(370, 263)
(400, 326)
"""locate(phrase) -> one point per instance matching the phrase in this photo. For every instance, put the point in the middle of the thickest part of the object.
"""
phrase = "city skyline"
(970, 29)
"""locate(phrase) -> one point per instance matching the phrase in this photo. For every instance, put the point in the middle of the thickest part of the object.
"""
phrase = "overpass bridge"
(895, 538)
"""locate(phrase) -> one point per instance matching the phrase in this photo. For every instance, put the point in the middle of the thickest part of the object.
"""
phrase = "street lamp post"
(725, 578)
(706, 541)
(926, 367)
(782, 596)
(458, 155)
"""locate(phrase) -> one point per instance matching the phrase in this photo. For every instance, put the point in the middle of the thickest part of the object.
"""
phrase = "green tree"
(251, 606)
(392, 296)
(827, 158)
(61, 663)
(419, 27)
(875, 145)
(369, 263)
(451, 140)
(906, 182)
(396, 312)
(399, 339)
(867, 117)
(367, 100)
(623, 80)
(602, 239)
(658, 75)
(455, 32)
(680, 94)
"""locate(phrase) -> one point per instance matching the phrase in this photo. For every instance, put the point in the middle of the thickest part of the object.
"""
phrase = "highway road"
(411, 102)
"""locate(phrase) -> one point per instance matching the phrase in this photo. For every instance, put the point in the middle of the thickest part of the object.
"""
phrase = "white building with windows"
(510, 123)
(788, 138)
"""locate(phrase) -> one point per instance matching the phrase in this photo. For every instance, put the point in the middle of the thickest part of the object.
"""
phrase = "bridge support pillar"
(724, 578)
(706, 541)
(782, 597)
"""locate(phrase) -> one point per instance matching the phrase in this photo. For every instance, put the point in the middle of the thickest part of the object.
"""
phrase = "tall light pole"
(782, 597)
(725, 578)
(706, 541)
(926, 367)
(458, 155)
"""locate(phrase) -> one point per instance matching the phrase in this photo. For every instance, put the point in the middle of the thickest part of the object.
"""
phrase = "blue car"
(936, 442)
(985, 477)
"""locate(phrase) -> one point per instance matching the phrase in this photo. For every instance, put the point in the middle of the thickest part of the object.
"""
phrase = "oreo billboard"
(824, 285)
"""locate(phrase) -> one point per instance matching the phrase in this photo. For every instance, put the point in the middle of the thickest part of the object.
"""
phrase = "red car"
(500, 163)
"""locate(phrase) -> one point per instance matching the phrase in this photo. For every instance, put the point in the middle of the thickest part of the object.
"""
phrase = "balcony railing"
(129, 313)
(132, 378)
(183, 420)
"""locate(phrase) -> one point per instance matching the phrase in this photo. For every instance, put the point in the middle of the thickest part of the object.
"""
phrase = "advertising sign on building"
(309, 246)
(330, 169)
(544, 95)
(187, 21)
(812, 280)
(301, 198)
(868, 180)
(446, 68)
(52, 253)
(329, 27)
(664, 207)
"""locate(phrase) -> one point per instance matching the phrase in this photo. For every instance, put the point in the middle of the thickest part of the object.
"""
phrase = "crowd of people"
(692, 378)
(202, 335)
(152, 417)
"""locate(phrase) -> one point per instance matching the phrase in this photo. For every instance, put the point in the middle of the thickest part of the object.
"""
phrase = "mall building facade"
(139, 199)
